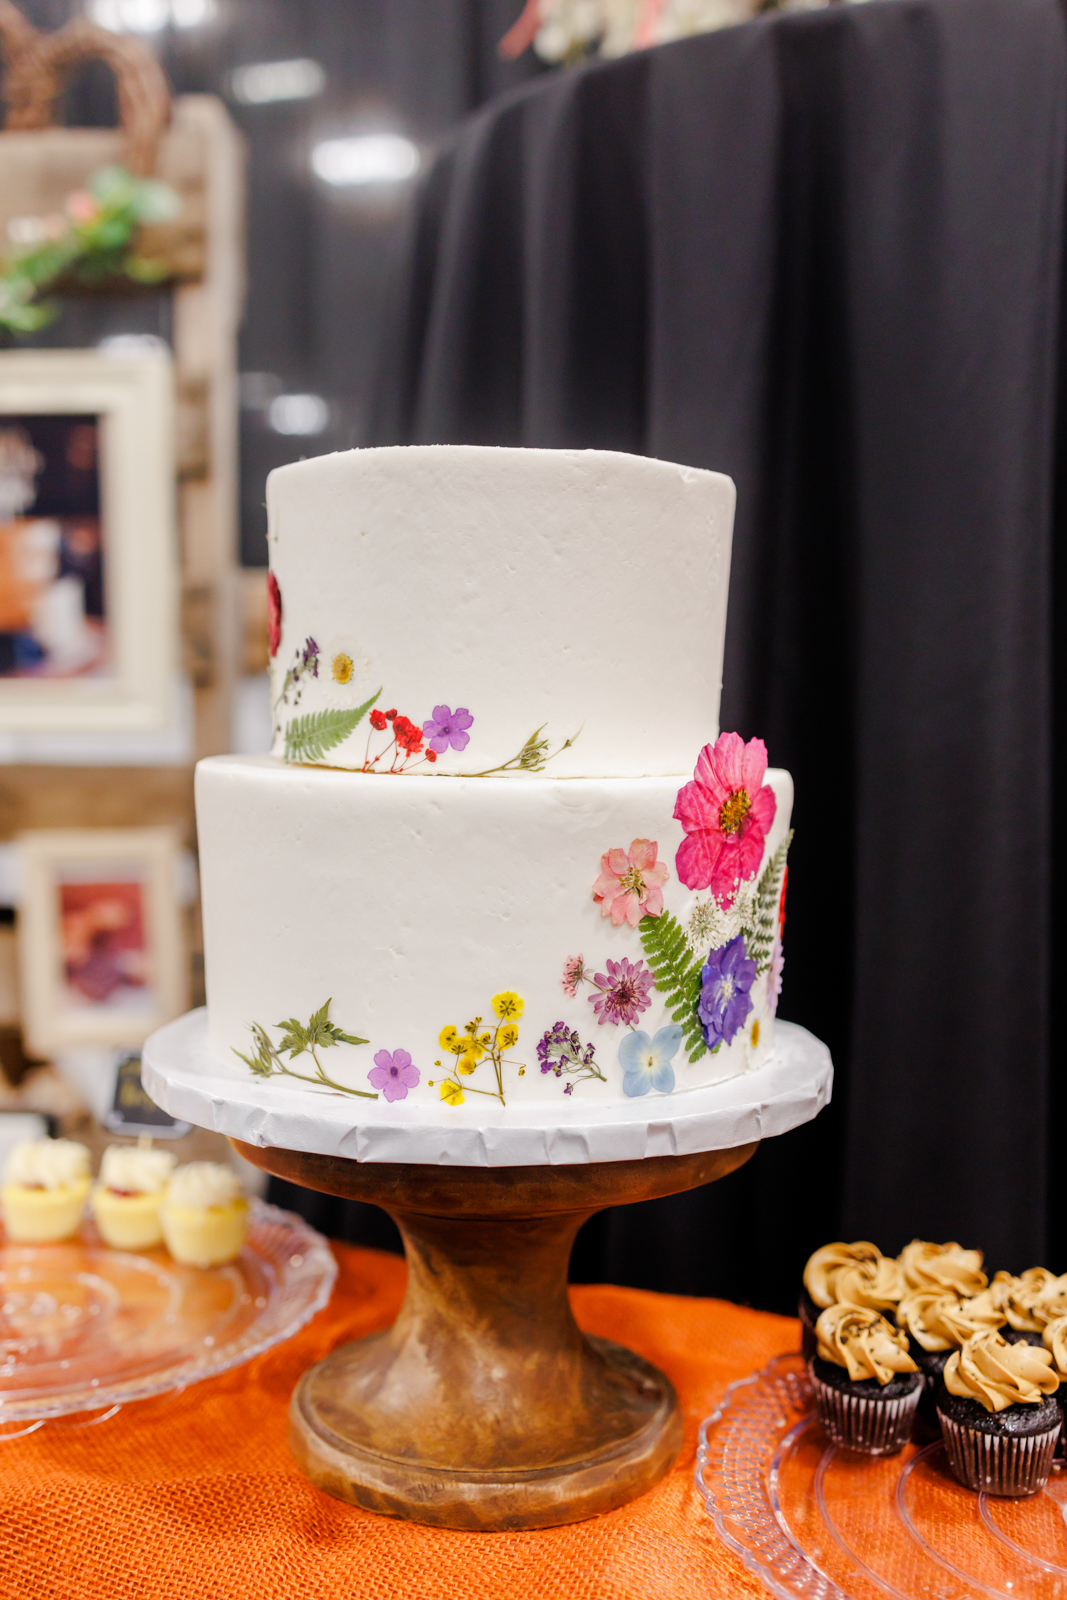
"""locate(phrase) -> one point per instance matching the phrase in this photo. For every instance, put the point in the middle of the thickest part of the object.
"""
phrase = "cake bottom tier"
(437, 940)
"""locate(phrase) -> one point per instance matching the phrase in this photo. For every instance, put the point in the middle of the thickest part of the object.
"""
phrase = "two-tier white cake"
(499, 853)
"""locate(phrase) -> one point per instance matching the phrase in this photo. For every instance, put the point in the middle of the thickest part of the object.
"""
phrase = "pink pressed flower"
(573, 975)
(727, 812)
(624, 992)
(629, 886)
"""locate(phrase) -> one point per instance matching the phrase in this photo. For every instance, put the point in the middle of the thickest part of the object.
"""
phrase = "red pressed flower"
(274, 613)
(781, 905)
(431, 755)
(377, 720)
(407, 736)
(389, 715)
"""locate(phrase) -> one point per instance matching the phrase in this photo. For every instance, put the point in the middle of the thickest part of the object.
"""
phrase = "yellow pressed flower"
(467, 1063)
(342, 667)
(507, 1036)
(754, 1035)
(449, 1039)
(451, 1093)
(508, 1005)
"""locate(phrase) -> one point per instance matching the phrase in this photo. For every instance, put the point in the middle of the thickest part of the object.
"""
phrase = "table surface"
(196, 1494)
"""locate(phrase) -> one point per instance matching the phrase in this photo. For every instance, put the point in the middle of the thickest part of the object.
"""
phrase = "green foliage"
(318, 1034)
(533, 756)
(309, 737)
(92, 243)
(760, 940)
(677, 976)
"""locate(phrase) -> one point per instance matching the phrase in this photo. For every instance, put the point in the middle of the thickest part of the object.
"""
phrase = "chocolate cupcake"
(938, 1321)
(857, 1274)
(1054, 1339)
(942, 1266)
(1030, 1302)
(999, 1418)
(867, 1387)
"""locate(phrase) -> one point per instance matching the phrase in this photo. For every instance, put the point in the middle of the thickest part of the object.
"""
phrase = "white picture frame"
(102, 951)
(129, 685)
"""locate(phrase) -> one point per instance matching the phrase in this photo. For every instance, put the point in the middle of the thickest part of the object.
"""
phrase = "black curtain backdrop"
(821, 253)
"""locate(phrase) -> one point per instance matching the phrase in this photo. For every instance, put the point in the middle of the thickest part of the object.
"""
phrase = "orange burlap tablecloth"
(196, 1494)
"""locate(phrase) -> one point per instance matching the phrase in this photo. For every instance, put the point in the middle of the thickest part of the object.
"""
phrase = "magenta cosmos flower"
(630, 883)
(393, 1074)
(274, 613)
(623, 992)
(726, 811)
(446, 728)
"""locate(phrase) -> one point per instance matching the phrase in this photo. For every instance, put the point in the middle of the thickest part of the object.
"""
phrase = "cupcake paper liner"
(999, 1463)
(858, 1422)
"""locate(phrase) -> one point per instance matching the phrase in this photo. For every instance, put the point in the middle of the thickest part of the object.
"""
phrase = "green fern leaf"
(677, 976)
(309, 737)
(760, 942)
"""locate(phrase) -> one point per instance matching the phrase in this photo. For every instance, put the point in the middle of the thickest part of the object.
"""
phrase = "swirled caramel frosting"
(942, 1266)
(862, 1342)
(1032, 1300)
(938, 1319)
(874, 1285)
(1054, 1338)
(821, 1272)
(998, 1374)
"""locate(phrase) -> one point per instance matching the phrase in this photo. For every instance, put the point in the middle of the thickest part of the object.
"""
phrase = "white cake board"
(183, 1078)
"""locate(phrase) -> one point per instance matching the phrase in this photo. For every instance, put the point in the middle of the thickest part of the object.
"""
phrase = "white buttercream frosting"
(409, 905)
(200, 1184)
(578, 592)
(48, 1164)
(131, 1169)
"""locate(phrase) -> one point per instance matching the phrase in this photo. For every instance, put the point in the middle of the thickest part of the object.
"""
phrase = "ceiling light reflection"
(261, 83)
(365, 158)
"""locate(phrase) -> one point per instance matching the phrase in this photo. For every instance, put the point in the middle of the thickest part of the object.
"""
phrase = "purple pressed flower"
(725, 1003)
(311, 657)
(623, 992)
(393, 1074)
(568, 1088)
(446, 728)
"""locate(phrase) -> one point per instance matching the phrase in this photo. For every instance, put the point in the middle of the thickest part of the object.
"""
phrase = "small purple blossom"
(311, 657)
(623, 992)
(393, 1074)
(560, 1050)
(725, 1002)
(446, 728)
(568, 1088)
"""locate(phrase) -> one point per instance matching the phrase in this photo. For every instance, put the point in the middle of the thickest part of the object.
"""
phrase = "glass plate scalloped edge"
(731, 1476)
(306, 1271)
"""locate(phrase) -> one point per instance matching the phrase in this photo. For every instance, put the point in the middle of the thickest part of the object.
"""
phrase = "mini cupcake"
(938, 1321)
(1031, 1301)
(857, 1273)
(1054, 1339)
(128, 1195)
(204, 1215)
(942, 1266)
(44, 1191)
(999, 1420)
(867, 1387)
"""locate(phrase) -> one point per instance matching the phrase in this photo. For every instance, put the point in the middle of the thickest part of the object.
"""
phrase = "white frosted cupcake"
(44, 1192)
(127, 1198)
(204, 1214)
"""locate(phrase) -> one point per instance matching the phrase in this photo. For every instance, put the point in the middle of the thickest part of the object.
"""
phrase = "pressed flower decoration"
(393, 1074)
(561, 1052)
(727, 811)
(274, 614)
(623, 992)
(298, 1038)
(476, 1045)
(725, 1001)
(573, 975)
(630, 884)
(646, 1063)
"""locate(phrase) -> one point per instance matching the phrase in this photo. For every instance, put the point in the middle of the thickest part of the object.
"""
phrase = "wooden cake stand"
(484, 1407)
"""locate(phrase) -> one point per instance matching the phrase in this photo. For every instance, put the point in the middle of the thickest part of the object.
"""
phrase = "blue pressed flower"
(646, 1063)
(725, 1002)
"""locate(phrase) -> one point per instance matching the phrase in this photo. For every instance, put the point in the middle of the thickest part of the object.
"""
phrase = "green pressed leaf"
(309, 737)
(677, 976)
(760, 942)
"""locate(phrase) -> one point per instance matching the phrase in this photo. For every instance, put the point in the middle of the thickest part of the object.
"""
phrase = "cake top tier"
(459, 609)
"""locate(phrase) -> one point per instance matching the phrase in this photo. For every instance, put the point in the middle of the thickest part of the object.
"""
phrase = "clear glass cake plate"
(84, 1328)
(819, 1523)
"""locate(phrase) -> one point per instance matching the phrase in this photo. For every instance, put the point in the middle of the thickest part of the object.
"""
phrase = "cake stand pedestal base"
(485, 1407)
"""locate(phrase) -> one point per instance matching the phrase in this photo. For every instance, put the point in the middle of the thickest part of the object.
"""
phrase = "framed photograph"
(102, 956)
(88, 554)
